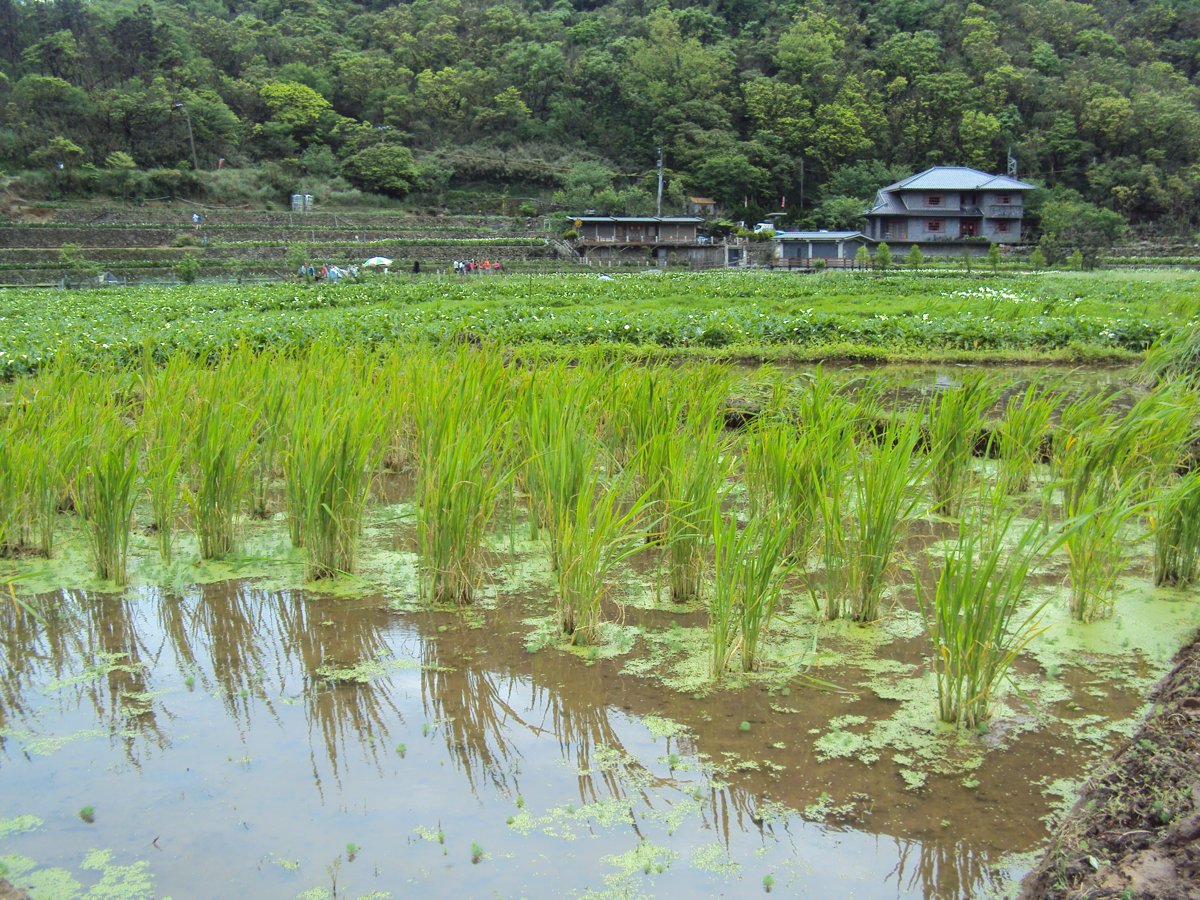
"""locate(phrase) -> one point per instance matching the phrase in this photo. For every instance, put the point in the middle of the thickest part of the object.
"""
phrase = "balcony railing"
(1003, 211)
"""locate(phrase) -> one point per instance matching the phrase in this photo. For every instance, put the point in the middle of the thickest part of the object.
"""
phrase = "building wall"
(920, 199)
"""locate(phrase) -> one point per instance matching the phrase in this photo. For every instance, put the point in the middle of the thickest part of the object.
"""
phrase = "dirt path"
(1135, 831)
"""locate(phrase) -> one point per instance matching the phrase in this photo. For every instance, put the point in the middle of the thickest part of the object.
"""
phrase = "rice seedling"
(956, 418)
(163, 423)
(329, 461)
(884, 483)
(695, 485)
(275, 381)
(558, 444)
(1021, 435)
(975, 619)
(218, 459)
(593, 536)
(464, 448)
(106, 491)
(778, 478)
(1176, 526)
(824, 481)
(749, 569)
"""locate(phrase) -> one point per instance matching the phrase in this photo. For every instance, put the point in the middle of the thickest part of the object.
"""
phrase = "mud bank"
(1135, 831)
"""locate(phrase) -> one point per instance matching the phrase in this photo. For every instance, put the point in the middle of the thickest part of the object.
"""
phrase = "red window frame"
(1004, 199)
(933, 200)
(1002, 227)
(933, 225)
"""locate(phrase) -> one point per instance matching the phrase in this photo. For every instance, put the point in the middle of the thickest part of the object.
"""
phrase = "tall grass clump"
(557, 432)
(956, 419)
(220, 424)
(749, 570)
(163, 424)
(885, 479)
(1021, 436)
(464, 450)
(781, 476)
(593, 536)
(1098, 501)
(1176, 527)
(106, 491)
(329, 462)
(274, 377)
(697, 468)
(830, 441)
(1110, 467)
(975, 618)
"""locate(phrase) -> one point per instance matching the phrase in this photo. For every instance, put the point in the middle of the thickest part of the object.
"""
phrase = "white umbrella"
(378, 261)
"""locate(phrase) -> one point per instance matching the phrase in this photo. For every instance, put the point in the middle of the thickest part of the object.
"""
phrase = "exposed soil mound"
(1135, 831)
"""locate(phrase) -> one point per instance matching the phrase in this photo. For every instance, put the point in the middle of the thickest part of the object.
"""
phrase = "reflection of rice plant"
(975, 618)
(884, 480)
(748, 576)
(956, 421)
(1177, 533)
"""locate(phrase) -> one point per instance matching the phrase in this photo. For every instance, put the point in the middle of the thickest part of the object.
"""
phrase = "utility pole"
(178, 104)
(660, 180)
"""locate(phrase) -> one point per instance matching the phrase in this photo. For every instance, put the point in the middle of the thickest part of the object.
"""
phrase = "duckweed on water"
(19, 825)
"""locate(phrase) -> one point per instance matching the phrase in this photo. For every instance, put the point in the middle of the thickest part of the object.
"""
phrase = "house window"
(1002, 227)
(933, 225)
(933, 200)
(1004, 199)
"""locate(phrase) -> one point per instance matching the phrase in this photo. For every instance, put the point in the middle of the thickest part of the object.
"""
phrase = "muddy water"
(238, 741)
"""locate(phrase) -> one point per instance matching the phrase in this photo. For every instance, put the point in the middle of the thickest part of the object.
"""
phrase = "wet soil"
(1135, 830)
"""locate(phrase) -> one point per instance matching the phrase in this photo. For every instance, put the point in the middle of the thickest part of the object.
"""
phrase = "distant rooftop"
(818, 235)
(629, 220)
(958, 178)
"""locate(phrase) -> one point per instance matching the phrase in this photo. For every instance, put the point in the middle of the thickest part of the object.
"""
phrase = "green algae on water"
(19, 825)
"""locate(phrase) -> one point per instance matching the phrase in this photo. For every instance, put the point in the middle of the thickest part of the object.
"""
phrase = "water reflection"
(264, 666)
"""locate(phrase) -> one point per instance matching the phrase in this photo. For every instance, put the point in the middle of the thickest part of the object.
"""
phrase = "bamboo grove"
(814, 499)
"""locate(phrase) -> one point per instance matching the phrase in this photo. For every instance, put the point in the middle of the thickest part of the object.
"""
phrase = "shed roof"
(957, 178)
(819, 235)
(631, 220)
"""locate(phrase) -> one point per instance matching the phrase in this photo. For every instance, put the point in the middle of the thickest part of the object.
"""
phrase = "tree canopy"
(816, 101)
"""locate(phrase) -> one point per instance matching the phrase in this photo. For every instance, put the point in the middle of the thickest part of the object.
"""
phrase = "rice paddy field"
(359, 593)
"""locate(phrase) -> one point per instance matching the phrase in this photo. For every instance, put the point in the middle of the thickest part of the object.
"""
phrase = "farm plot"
(429, 616)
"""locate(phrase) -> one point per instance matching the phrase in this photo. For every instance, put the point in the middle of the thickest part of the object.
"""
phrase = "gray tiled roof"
(629, 220)
(818, 235)
(958, 178)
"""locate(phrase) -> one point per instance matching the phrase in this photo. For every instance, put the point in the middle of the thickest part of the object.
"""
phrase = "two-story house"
(946, 208)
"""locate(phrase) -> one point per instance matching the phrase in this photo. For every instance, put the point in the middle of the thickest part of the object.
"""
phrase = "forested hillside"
(751, 101)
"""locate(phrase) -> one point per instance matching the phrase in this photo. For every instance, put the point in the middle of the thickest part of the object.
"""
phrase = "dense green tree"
(382, 168)
(756, 99)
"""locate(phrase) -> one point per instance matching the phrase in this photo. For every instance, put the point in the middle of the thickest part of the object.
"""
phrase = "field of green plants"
(1061, 316)
(603, 462)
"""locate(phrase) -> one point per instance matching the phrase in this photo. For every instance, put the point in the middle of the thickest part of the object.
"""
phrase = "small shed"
(809, 245)
(702, 206)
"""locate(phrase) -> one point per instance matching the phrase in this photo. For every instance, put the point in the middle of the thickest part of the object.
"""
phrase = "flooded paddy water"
(226, 729)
